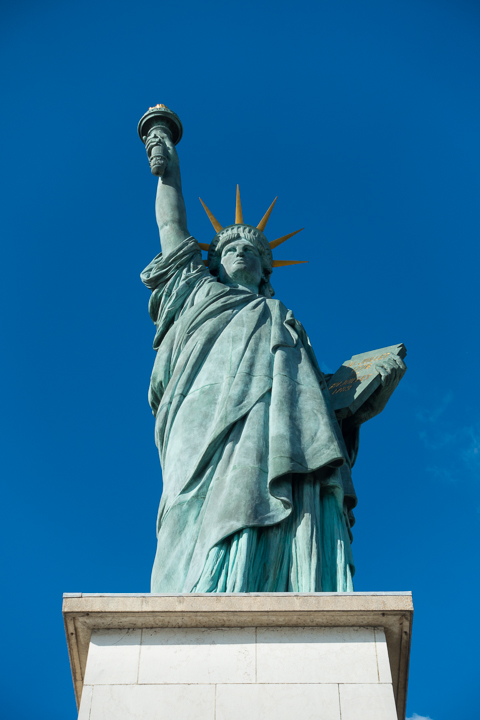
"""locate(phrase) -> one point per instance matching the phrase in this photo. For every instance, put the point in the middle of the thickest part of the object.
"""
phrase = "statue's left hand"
(391, 370)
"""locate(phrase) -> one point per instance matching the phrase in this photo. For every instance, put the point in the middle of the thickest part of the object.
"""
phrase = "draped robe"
(257, 491)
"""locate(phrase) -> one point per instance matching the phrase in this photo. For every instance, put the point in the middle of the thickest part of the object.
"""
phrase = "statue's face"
(241, 264)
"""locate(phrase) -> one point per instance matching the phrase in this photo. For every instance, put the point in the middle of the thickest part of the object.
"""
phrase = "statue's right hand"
(161, 151)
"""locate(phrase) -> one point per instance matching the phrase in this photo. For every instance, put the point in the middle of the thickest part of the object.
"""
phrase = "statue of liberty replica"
(255, 448)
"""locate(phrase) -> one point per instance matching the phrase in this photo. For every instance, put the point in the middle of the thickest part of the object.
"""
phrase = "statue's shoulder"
(278, 306)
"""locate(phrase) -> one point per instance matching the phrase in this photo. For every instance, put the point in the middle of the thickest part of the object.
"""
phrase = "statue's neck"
(251, 288)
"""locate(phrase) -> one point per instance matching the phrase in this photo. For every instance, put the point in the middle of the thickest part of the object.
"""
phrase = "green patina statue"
(257, 489)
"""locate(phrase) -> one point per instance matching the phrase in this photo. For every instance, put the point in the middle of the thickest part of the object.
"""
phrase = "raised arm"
(169, 204)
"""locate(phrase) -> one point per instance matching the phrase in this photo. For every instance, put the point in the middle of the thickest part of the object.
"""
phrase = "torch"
(158, 120)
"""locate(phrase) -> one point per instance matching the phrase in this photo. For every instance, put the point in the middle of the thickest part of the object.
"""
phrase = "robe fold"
(243, 418)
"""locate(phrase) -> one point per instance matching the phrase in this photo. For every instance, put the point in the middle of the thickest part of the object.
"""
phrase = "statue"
(257, 489)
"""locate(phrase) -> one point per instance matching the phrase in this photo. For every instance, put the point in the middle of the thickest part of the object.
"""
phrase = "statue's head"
(242, 254)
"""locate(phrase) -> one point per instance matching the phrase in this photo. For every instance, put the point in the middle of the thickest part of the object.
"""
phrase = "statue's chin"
(240, 274)
(243, 279)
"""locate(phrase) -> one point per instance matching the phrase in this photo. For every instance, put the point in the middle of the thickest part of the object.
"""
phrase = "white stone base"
(267, 656)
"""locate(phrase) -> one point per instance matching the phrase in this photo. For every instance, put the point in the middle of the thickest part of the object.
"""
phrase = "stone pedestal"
(265, 656)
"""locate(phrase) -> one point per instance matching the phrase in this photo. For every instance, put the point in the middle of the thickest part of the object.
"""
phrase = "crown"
(261, 227)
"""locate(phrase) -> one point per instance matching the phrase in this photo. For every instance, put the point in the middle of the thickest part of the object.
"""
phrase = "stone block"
(383, 662)
(277, 702)
(198, 655)
(369, 702)
(153, 702)
(86, 703)
(113, 657)
(316, 655)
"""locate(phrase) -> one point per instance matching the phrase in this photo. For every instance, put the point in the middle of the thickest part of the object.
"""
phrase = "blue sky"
(363, 117)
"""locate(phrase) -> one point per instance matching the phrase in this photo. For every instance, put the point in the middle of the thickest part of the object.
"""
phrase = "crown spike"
(281, 263)
(238, 209)
(211, 217)
(261, 225)
(279, 241)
